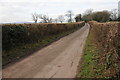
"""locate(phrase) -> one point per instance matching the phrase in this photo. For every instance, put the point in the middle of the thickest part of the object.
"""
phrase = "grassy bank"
(19, 52)
(89, 67)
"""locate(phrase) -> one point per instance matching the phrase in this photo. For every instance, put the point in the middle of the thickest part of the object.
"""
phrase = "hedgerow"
(18, 34)
(21, 40)
(107, 37)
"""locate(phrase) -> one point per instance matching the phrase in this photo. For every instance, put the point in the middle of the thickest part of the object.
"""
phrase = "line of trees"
(46, 19)
(100, 16)
(88, 15)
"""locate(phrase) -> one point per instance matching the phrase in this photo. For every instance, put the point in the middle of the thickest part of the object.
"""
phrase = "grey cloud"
(21, 10)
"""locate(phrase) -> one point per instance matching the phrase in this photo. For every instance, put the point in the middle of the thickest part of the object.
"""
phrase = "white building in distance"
(119, 9)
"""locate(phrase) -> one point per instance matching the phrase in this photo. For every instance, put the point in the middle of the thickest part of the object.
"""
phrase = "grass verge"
(90, 68)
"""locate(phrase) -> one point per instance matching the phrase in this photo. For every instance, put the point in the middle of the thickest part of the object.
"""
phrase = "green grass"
(27, 49)
(89, 67)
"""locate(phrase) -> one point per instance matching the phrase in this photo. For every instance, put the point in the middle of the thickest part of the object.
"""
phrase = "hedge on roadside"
(107, 36)
(19, 34)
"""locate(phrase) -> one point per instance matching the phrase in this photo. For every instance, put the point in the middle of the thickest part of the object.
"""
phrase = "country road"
(58, 60)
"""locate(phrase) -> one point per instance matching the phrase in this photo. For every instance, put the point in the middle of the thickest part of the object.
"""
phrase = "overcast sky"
(21, 10)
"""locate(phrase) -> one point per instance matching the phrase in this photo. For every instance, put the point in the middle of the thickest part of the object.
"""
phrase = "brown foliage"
(20, 34)
(107, 36)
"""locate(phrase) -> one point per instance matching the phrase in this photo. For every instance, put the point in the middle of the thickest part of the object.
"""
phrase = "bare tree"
(45, 19)
(55, 20)
(50, 20)
(69, 14)
(35, 17)
(61, 18)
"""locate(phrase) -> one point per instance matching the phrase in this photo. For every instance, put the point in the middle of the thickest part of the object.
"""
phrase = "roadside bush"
(107, 36)
(13, 35)
(20, 34)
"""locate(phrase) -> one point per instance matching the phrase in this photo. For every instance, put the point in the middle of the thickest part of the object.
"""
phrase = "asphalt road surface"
(58, 60)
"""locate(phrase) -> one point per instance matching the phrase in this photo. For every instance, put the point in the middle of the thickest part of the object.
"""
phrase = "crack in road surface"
(55, 60)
